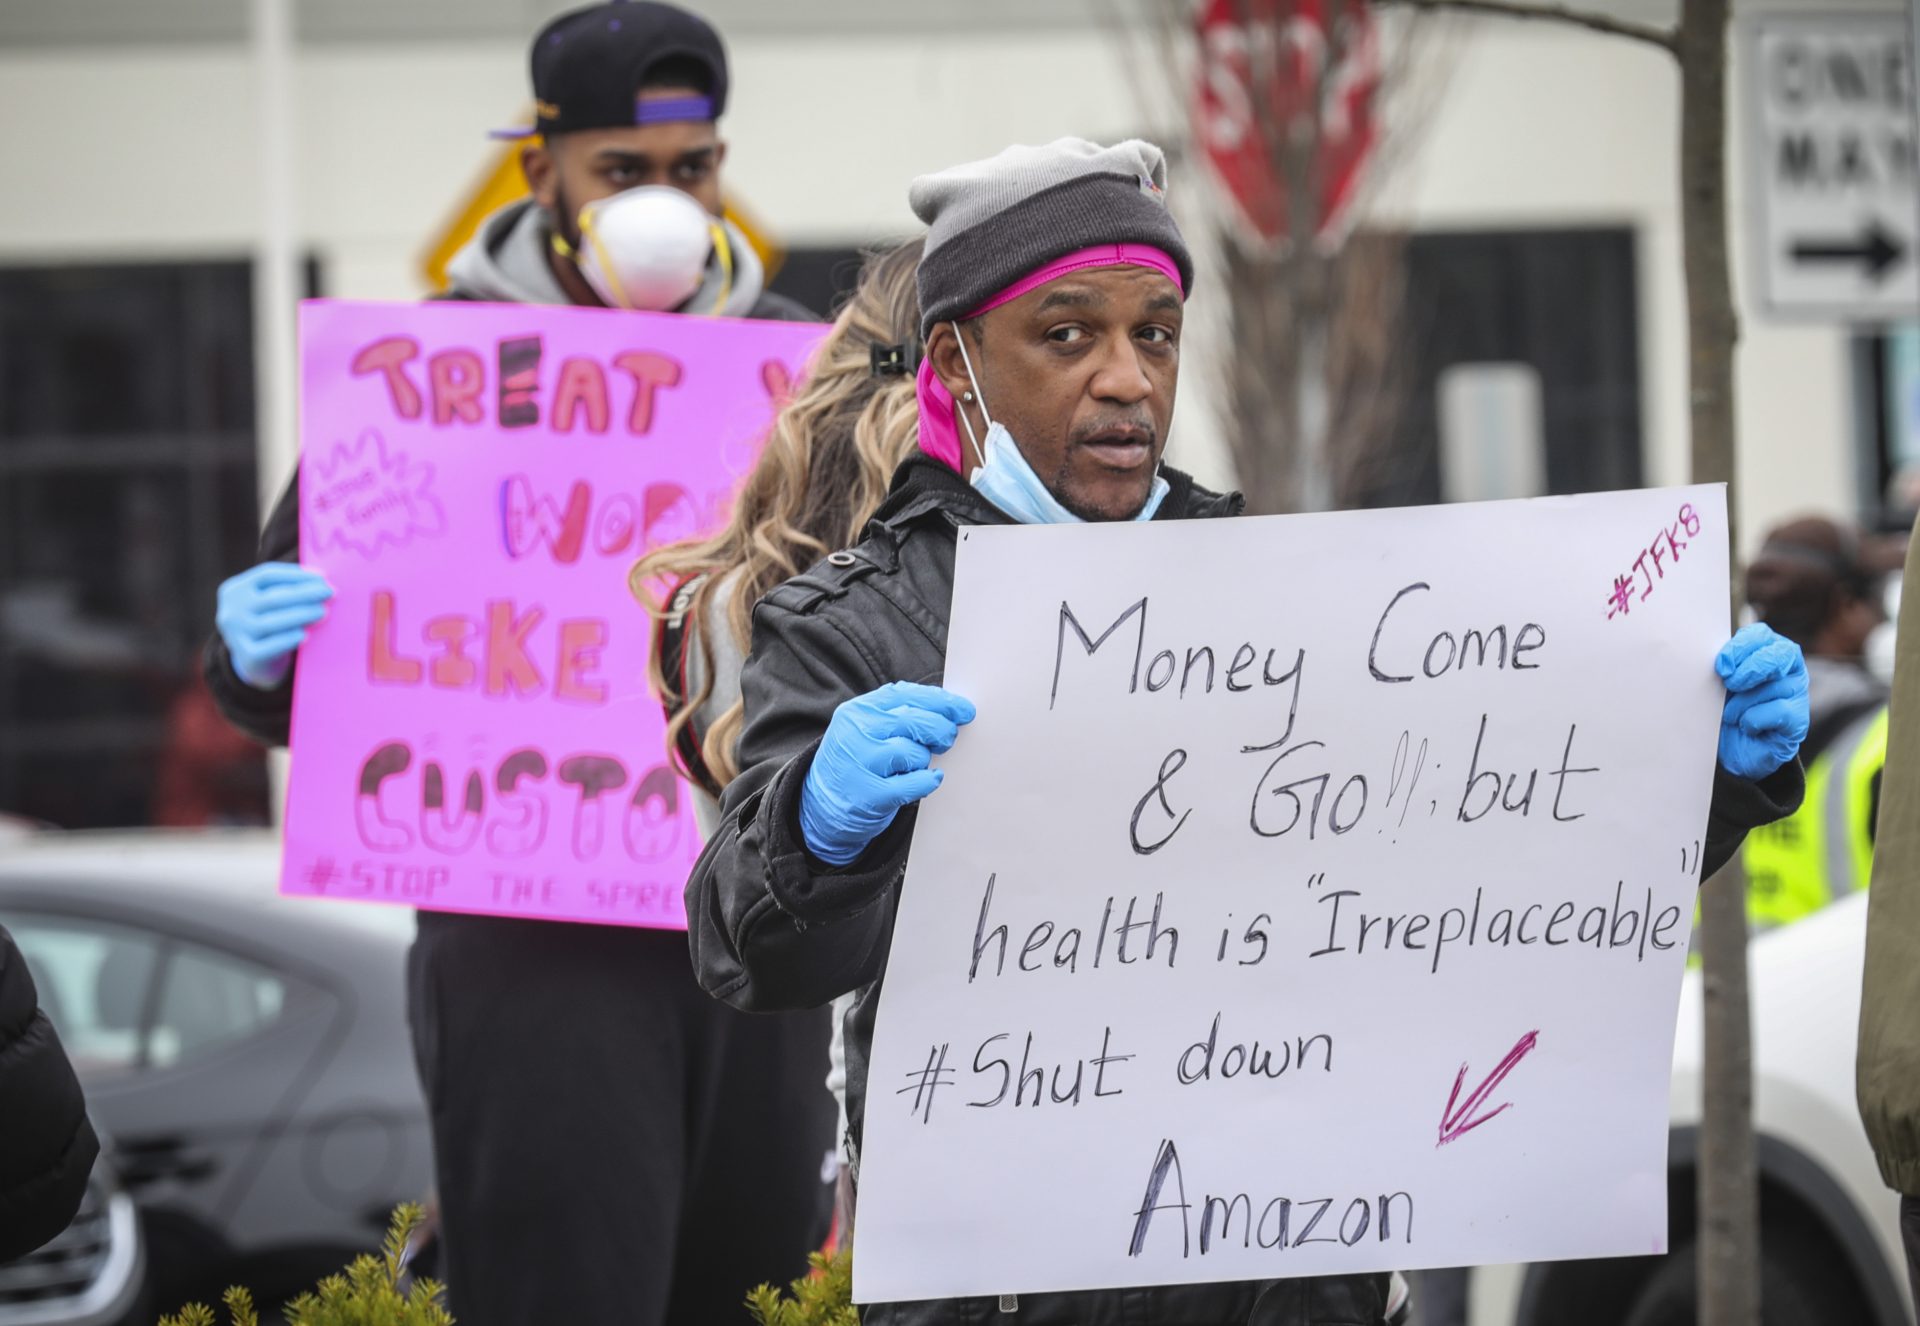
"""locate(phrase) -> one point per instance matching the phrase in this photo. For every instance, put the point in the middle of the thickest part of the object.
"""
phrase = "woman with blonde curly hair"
(824, 470)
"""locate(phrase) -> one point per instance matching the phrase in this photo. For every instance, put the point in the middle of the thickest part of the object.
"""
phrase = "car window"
(209, 999)
(94, 982)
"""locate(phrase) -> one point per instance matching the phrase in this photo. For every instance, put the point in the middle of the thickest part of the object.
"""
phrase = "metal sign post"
(1834, 166)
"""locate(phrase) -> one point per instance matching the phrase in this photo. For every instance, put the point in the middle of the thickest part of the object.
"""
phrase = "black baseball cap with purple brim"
(591, 65)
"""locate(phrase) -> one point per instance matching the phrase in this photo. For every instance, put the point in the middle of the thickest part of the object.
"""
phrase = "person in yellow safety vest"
(1812, 584)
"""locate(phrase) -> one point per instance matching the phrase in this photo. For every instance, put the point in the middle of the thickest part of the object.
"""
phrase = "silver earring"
(966, 396)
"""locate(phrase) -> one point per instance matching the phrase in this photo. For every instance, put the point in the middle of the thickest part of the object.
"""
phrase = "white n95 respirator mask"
(648, 248)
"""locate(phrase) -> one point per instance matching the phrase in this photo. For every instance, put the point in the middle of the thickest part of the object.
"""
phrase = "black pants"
(613, 1147)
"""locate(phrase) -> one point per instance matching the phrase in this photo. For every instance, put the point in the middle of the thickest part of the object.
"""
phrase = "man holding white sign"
(1023, 1155)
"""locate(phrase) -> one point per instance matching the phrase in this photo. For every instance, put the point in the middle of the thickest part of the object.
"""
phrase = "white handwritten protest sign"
(1311, 896)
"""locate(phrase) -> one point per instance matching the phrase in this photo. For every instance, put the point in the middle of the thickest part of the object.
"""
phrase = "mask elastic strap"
(978, 395)
(590, 238)
(723, 250)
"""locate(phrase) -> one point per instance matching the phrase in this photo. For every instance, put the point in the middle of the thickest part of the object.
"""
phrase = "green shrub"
(368, 1294)
(822, 1298)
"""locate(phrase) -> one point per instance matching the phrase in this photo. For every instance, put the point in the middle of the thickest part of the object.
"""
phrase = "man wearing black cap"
(626, 97)
(611, 1145)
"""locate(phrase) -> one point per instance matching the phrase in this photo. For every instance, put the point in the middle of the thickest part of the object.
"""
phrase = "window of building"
(1886, 370)
(1523, 366)
(819, 278)
(127, 493)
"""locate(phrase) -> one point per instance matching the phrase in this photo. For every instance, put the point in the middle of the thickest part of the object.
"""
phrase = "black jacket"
(266, 715)
(772, 929)
(47, 1147)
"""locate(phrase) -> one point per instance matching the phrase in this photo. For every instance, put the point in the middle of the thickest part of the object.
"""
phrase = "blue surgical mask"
(1005, 479)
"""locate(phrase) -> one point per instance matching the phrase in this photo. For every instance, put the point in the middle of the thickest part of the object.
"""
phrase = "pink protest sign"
(472, 725)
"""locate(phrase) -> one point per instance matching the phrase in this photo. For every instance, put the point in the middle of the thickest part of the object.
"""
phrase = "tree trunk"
(1299, 140)
(1729, 1203)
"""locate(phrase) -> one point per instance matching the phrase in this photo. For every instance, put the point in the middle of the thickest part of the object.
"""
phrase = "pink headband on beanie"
(939, 431)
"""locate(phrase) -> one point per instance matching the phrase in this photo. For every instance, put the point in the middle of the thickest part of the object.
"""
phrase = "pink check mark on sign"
(1461, 1117)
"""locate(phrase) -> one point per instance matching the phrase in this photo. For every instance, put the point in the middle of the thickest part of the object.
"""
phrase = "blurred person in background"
(1814, 582)
(610, 1144)
(824, 471)
(626, 146)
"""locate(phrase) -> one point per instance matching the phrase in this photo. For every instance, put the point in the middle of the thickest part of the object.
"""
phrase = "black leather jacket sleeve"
(769, 926)
(1740, 804)
(263, 715)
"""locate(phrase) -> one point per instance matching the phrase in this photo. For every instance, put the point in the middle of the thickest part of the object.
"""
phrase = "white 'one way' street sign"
(1835, 190)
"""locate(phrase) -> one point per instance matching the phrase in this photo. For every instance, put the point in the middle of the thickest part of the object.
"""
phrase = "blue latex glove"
(872, 761)
(263, 616)
(1766, 715)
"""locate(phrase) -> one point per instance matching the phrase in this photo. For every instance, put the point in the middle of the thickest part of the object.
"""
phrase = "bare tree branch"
(1664, 38)
(1343, 290)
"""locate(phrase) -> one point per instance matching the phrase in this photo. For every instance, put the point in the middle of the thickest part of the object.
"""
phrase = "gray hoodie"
(506, 263)
(506, 260)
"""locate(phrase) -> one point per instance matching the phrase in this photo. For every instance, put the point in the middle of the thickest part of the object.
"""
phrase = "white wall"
(156, 157)
(151, 153)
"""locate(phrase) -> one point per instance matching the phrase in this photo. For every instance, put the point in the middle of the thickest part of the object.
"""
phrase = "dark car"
(246, 1053)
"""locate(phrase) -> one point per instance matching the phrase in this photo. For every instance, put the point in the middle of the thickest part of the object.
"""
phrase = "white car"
(1829, 1229)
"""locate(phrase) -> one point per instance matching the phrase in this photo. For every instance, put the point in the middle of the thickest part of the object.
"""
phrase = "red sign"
(1281, 55)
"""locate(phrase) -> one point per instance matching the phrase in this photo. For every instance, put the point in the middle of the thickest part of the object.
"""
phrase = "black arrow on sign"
(1876, 251)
